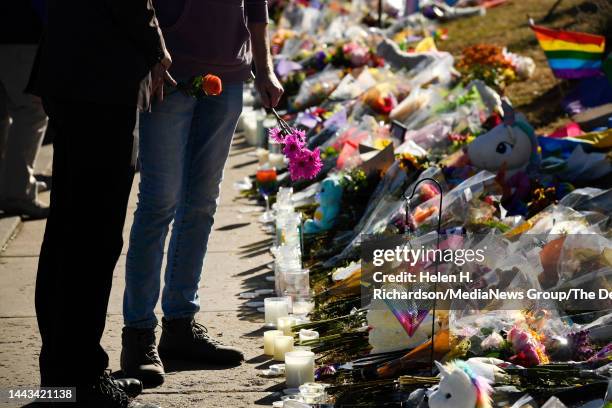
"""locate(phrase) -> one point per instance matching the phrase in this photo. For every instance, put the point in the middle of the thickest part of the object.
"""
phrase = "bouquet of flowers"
(353, 55)
(488, 63)
(303, 162)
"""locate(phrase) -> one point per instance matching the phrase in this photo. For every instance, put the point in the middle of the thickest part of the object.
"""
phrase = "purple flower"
(300, 134)
(276, 135)
(320, 59)
(306, 165)
(293, 146)
(604, 352)
(580, 345)
(315, 162)
(326, 371)
(297, 167)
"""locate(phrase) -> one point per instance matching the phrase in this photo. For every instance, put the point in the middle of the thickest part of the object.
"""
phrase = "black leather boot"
(185, 339)
(139, 357)
(105, 392)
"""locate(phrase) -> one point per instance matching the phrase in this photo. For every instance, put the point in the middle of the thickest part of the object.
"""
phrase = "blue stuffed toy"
(329, 198)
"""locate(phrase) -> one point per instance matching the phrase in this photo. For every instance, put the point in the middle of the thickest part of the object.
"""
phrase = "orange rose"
(211, 85)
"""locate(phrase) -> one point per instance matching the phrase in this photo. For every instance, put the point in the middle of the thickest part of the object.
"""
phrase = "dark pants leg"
(83, 236)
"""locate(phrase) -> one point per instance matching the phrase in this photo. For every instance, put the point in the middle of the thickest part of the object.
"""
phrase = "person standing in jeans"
(99, 62)
(183, 148)
(22, 118)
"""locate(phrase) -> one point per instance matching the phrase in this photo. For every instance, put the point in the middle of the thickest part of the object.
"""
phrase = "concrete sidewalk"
(236, 262)
(9, 226)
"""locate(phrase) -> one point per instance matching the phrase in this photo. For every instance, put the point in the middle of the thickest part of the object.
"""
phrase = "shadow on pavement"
(174, 365)
(230, 227)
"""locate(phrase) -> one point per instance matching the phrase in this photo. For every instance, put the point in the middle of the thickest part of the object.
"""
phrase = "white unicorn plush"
(460, 387)
(512, 143)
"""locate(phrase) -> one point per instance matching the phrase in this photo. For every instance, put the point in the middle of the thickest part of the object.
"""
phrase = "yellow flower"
(380, 144)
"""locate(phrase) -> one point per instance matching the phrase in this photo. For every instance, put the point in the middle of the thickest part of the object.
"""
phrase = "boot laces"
(201, 332)
(109, 388)
(147, 342)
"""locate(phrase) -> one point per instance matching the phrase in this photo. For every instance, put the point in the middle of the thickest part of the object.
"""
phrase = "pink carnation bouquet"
(303, 162)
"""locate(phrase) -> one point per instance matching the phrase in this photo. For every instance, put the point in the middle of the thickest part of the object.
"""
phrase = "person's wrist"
(265, 68)
(166, 62)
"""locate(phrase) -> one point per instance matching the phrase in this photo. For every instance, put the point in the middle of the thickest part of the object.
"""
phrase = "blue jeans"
(184, 143)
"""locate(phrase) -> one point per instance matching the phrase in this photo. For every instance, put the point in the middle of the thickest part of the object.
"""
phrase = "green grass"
(507, 25)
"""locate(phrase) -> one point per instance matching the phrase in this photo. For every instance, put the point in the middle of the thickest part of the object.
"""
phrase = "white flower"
(493, 341)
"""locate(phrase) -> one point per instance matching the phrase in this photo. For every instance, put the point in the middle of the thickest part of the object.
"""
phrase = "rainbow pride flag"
(571, 54)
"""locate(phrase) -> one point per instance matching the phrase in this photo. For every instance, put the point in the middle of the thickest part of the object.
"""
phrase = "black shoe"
(139, 357)
(131, 386)
(33, 210)
(104, 392)
(188, 340)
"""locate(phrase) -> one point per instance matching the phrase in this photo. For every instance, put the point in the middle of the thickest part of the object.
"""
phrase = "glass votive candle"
(307, 335)
(284, 197)
(269, 341)
(312, 399)
(285, 324)
(282, 345)
(295, 402)
(290, 230)
(297, 281)
(260, 130)
(275, 307)
(289, 304)
(313, 393)
(311, 387)
(302, 305)
(299, 368)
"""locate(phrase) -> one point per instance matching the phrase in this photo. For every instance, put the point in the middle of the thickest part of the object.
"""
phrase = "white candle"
(249, 125)
(262, 155)
(282, 345)
(285, 324)
(274, 308)
(306, 335)
(299, 368)
(269, 341)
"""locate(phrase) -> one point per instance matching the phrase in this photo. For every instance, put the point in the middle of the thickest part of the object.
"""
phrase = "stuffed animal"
(460, 387)
(512, 145)
(389, 331)
(329, 198)
(391, 52)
